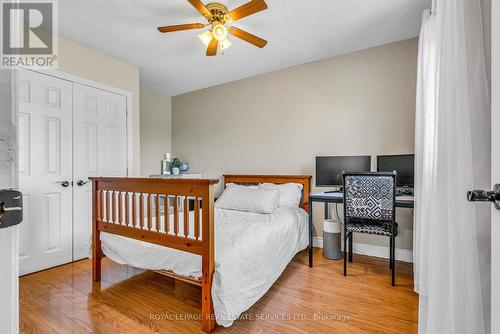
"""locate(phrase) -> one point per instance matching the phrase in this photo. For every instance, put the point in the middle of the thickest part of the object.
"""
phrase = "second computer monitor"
(329, 169)
(403, 164)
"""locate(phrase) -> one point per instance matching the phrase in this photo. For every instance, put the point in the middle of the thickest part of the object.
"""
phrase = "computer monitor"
(403, 164)
(329, 169)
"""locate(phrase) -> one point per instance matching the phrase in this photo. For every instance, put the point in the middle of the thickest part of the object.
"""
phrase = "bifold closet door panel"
(45, 170)
(99, 149)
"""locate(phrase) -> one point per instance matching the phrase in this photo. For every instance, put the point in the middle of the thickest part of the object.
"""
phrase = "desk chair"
(370, 207)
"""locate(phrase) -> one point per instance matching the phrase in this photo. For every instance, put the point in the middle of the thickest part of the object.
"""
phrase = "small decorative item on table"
(176, 164)
(166, 165)
(184, 167)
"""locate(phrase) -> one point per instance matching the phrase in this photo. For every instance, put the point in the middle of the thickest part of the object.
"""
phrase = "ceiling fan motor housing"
(219, 13)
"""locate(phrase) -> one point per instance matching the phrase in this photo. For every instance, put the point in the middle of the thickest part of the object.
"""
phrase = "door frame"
(94, 84)
(495, 164)
(9, 237)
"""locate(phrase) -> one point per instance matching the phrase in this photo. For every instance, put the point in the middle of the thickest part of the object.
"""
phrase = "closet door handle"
(486, 196)
(64, 184)
(81, 183)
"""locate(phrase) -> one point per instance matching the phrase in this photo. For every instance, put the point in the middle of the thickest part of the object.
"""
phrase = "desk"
(338, 197)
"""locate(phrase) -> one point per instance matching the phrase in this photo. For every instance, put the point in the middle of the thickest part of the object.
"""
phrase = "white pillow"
(249, 199)
(290, 193)
(241, 185)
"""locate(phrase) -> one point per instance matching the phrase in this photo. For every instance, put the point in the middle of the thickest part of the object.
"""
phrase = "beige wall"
(155, 130)
(93, 65)
(361, 103)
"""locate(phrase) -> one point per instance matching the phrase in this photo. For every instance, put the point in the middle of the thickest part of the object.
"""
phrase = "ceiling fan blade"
(247, 9)
(180, 27)
(212, 47)
(247, 37)
(201, 8)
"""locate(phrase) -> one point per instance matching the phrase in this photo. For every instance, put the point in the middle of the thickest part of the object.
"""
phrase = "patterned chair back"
(370, 196)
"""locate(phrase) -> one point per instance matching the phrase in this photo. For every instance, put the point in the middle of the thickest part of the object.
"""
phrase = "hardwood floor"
(128, 300)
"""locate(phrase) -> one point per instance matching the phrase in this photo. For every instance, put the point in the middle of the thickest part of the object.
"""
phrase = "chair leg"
(351, 240)
(346, 235)
(393, 267)
(390, 253)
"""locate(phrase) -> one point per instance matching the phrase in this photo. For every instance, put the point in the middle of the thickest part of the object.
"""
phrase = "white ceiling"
(298, 32)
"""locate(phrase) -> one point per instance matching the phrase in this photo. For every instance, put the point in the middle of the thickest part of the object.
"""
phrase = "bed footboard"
(158, 211)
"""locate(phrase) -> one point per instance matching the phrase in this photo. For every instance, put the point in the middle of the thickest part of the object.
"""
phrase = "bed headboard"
(305, 180)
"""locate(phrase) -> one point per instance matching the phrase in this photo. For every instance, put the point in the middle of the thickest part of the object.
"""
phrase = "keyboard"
(404, 191)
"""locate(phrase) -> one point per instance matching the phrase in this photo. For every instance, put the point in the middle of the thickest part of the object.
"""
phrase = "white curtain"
(452, 156)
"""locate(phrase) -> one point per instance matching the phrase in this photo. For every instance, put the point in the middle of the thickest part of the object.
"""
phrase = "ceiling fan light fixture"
(225, 44)
(220, 32)
(206, 37)
(219, 23)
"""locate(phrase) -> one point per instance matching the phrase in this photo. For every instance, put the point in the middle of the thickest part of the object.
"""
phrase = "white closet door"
(99, 149)
(45, 161)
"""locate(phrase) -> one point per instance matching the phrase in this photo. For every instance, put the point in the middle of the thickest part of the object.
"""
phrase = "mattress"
(251, 252)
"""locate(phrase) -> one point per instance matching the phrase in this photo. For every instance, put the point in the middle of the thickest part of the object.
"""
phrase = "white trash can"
(332, 239)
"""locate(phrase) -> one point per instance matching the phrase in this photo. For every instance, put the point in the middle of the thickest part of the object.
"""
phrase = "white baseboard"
(403, 255)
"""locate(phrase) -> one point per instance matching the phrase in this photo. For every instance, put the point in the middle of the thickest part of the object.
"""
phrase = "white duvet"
(251, 252)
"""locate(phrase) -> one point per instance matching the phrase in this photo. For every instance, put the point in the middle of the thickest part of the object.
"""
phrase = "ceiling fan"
(218, 17)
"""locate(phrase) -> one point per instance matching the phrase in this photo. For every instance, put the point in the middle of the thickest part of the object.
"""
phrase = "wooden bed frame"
(131, 207)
